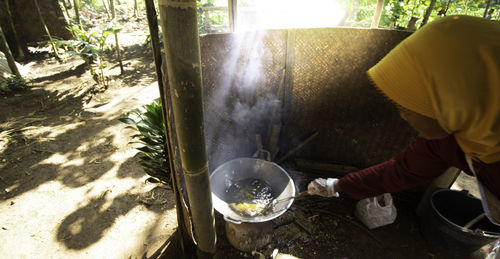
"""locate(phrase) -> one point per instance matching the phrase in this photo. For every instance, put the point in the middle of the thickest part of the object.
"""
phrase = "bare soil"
(70, 186)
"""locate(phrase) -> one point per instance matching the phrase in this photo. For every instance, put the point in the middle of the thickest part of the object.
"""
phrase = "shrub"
(12, 84)
(153, 153)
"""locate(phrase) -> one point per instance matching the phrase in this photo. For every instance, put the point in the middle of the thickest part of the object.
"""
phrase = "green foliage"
(12, 84)
(397, 13)
(153, 153)
(90, 47)
(213, 20)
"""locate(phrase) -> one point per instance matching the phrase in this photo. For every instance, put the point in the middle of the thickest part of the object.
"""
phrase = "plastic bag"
(376, 211)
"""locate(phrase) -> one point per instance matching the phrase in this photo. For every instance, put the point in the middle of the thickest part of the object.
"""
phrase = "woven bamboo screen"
(316, 81)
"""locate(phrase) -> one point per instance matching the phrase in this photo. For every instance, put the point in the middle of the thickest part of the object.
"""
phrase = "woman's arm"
(421, 161)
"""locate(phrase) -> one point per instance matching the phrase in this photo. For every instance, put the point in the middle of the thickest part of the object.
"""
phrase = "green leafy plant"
(153, 153)
(90, 47)
(12, 84)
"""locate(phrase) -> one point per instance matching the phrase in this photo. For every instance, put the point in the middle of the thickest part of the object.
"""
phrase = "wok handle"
(234, 221)
(259, 151)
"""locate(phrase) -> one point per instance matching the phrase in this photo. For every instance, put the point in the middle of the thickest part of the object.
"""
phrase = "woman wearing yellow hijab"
(445, 80)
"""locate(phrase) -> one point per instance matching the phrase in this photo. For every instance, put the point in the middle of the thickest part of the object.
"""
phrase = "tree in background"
(112, 8)
(46, 29)
(4, 47)
(77, 12)
(19, 50)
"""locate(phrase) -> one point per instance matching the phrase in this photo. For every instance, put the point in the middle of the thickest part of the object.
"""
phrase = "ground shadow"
(171, 248)
(86, 225)
(23, 168)
(77, 71)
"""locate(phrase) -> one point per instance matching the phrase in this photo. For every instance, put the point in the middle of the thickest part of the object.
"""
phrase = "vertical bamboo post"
(46, 29)
(118, 53)
(20, 51)
(112, 8)
(65, 5)
(156, 47)
(4, 47)
(105, 8)
(232, 10)
(178, 19)
(135, 9)
(77, 13)
(377, 15)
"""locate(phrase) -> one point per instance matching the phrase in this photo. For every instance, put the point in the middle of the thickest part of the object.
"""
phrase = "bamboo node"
(200, 171)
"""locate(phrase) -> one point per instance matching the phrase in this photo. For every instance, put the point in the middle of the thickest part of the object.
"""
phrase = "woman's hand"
(324, 187)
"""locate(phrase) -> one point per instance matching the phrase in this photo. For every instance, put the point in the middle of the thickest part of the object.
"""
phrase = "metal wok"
(244, 168)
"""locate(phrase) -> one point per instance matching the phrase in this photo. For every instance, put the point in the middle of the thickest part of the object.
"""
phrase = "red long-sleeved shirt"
(420, 162)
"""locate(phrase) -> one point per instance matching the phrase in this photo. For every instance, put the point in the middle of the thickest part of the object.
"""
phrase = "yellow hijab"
(449, 70)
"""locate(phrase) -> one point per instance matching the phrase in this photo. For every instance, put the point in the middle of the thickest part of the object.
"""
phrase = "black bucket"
(443, 227)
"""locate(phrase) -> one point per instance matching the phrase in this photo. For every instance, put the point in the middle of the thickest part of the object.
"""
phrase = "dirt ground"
(71, 188)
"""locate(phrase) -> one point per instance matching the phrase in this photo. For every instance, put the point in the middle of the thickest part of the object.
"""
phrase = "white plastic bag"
(376, 211)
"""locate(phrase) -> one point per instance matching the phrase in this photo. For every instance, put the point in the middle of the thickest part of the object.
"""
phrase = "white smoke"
(244, 111)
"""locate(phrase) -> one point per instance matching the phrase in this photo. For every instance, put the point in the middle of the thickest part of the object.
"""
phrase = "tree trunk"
(77, 13)
(447, 7)
(20, 52)
(135, 9)
(112, 8)
(4, 47)
(105, 8)
(428, 13)
(486, 9)
(46, 29)
(118, 53)
(182, 48)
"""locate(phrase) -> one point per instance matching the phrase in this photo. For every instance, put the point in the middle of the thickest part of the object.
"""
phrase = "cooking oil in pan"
(250, 197)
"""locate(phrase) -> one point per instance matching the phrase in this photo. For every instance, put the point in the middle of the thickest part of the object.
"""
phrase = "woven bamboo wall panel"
(326, 90)
(241, 75)
(332, 95)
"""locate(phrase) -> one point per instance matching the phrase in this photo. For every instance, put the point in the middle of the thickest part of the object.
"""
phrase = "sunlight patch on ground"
(136, 95)
(51, 131)
(54, 159)
(133, 227)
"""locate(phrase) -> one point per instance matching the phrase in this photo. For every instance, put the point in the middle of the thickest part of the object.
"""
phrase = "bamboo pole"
(155, 45)
(67, 11)
(106, 8)
(377, 15)
(182, 47)
(112, 8)
(118, 53)
(233, 16)
(46, 29)
(4, 47)
(20, 51)
(135, 9)
(77, 13)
